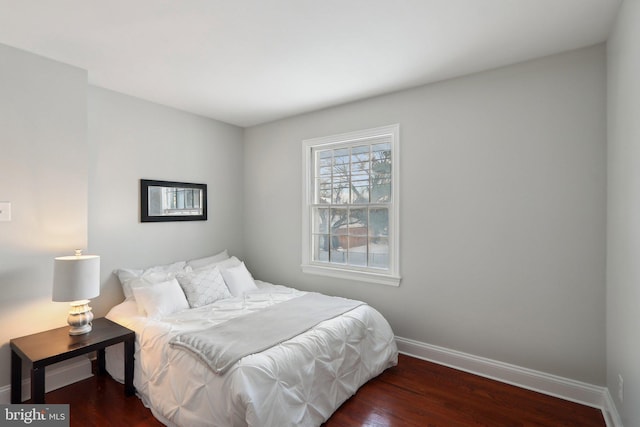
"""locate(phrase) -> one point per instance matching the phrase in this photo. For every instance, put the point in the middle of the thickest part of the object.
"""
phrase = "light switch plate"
(5, 211)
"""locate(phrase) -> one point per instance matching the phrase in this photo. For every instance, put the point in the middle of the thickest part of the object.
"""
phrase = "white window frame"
(389, 277)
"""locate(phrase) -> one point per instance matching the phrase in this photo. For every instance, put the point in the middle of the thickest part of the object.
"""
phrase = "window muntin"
(350, 216)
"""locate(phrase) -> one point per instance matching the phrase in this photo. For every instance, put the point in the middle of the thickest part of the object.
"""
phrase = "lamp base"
(80, 317)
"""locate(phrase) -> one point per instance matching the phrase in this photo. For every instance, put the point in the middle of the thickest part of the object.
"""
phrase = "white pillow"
(207, 261)
(161, 299)
(227, 263)
(239, 280)
(204, 286)
(144, 281)
(132, 278)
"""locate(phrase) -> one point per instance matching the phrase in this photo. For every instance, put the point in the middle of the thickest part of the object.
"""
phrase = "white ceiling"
(247, 62)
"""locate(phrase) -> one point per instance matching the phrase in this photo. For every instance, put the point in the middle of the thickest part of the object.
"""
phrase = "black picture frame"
(163, 201)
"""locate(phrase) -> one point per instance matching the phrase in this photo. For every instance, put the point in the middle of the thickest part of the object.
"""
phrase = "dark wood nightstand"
(45, 348)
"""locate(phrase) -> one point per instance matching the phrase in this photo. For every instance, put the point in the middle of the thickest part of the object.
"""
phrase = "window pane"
(358, 231)
(340, 191)
(381, 151)
(379, 252)
(323, 190)
(380, 192)
(324, 161)
(358, 221)
(324, 171)
(360, 192)
(360, 161)
(337, 254)
(321, 247)
(339, 221)
(358, 251)
(324, 158)
(379, 222)
(341, 162)
(361, 151)
(358, 243)
(321, 220)
(381, 173)
(360, 175)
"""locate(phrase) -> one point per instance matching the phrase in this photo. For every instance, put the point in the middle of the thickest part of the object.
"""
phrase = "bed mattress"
(299, 382)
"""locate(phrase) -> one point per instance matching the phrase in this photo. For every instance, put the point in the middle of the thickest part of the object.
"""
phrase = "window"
(350, 212)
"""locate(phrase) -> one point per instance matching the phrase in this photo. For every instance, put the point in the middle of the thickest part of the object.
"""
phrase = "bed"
(297, 381)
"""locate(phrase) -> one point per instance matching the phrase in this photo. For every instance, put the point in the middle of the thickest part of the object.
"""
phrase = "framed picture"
(172, 201)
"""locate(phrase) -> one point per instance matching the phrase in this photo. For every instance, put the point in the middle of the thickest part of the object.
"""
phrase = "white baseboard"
(56, 377)
(611, 415)
(553, 385)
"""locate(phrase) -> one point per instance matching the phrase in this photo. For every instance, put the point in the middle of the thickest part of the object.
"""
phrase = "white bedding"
(299, 382)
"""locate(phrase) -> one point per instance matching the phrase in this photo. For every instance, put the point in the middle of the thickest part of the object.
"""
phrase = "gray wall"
(131, 139)
(623, 220)
(502, 211)
(43, 173)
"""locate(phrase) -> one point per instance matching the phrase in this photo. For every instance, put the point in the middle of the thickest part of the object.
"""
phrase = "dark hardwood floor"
(414, 393)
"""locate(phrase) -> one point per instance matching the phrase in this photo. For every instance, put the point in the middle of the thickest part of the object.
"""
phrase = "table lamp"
(76, 279)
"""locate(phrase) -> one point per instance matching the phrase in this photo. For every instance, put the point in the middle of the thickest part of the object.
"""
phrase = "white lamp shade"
(76, 278)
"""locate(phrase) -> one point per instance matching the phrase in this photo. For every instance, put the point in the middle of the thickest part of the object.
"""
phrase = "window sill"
(362, 276)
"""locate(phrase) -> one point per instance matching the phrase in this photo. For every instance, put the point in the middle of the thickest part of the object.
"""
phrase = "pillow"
(239, 280)
(160, 273)
(161, 299)
(207, 261)
(203, 287)
(143, 281)
(230, 262)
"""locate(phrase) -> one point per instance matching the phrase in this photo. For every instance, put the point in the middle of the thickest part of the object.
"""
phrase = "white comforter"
(300, 382)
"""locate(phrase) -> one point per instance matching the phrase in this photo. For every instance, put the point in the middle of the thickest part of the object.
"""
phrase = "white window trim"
(392, 277)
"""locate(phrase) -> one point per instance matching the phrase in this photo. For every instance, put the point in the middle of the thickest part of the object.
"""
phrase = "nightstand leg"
(37, 385)
(101, 368)
(129, 349)
(16, 378)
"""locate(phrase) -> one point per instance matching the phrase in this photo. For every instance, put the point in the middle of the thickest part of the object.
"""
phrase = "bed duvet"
(299, 382)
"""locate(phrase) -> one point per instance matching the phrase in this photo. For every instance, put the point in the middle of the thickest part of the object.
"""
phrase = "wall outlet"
(620, 388)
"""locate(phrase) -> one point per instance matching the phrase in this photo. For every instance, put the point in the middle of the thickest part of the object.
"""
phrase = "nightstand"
(45, 348)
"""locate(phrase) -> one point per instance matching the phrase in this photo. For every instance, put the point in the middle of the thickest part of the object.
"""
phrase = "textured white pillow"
(204, 286)
(134, 278)
(239, 280)
(161, 299)
(208, 261)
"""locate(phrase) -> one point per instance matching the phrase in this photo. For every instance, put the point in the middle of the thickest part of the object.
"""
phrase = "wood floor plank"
(415, 393)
